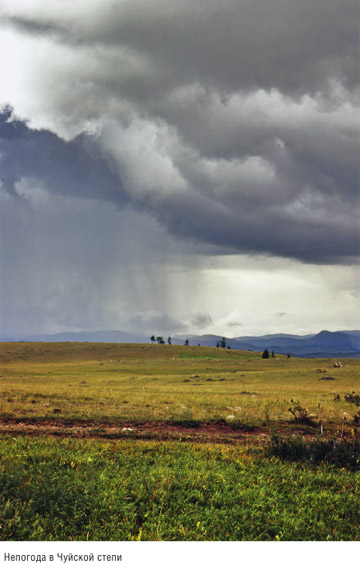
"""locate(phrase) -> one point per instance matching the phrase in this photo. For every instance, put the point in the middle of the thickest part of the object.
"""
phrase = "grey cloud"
(200, 320)
(64, 167)
(236, 207)
(70, 263)
(232, 124)
(234, 45)
(156, 324)
(290, 236)
(35, 27)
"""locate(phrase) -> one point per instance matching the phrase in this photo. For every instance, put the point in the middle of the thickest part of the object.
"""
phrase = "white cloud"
(142, 151)
(31, 190)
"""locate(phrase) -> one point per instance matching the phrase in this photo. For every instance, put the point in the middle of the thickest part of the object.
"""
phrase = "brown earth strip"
(215, 432)
(209, 432)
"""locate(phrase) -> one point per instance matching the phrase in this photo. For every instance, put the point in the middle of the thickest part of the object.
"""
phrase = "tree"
(289, 355)
(160, 340)
(265, 354)
(169, 340)
(272, 354)
(152, 338)
(186, 343)
(223, 342)
(217, 344)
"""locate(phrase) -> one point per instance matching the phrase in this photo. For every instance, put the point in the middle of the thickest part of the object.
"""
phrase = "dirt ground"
(209, 432)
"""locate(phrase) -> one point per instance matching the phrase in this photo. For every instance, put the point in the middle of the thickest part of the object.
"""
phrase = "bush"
(356, 419)
(353, 398)
(301, 415)
(344, 452)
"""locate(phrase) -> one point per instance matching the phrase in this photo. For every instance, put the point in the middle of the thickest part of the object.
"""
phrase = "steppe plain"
(158, 442)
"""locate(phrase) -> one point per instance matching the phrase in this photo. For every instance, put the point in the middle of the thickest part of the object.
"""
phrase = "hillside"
(323, 344)
(339, 344)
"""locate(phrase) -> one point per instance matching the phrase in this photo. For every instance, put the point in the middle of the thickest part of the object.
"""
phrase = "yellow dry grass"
(137, 382)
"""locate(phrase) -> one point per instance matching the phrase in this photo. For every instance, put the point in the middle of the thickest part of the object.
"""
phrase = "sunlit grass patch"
(137, 382)
(90, 490)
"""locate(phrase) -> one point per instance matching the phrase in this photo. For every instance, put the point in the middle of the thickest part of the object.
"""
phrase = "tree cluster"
(158, 339)
(266, 354)
(222, 343)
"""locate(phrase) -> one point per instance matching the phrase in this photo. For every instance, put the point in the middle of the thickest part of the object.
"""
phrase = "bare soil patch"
(207, 432)
(216, 432)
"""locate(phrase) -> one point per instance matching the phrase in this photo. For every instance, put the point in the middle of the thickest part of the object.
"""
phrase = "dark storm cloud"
(233, 124)
(287, 44)
(269, 230)
(63, 167)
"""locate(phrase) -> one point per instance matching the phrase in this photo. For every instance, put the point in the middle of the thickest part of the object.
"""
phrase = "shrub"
(356, 419)
(301, 415)
(344, 452)
(353, 398)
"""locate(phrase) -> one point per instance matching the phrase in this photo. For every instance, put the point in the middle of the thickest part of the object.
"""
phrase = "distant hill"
(82, 336)
(323, 344)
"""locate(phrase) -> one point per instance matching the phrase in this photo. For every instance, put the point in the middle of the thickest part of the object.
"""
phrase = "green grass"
(62, 489)
(81, 489)
(108, 382)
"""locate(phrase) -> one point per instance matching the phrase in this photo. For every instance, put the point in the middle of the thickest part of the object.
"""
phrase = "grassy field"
(139, 486)
(111, 382)
(94, 490)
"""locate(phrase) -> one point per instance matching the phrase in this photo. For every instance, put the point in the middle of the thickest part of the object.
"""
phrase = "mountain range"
(323, 344)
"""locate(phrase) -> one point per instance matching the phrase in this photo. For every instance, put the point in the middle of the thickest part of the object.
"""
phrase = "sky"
(179, 167)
